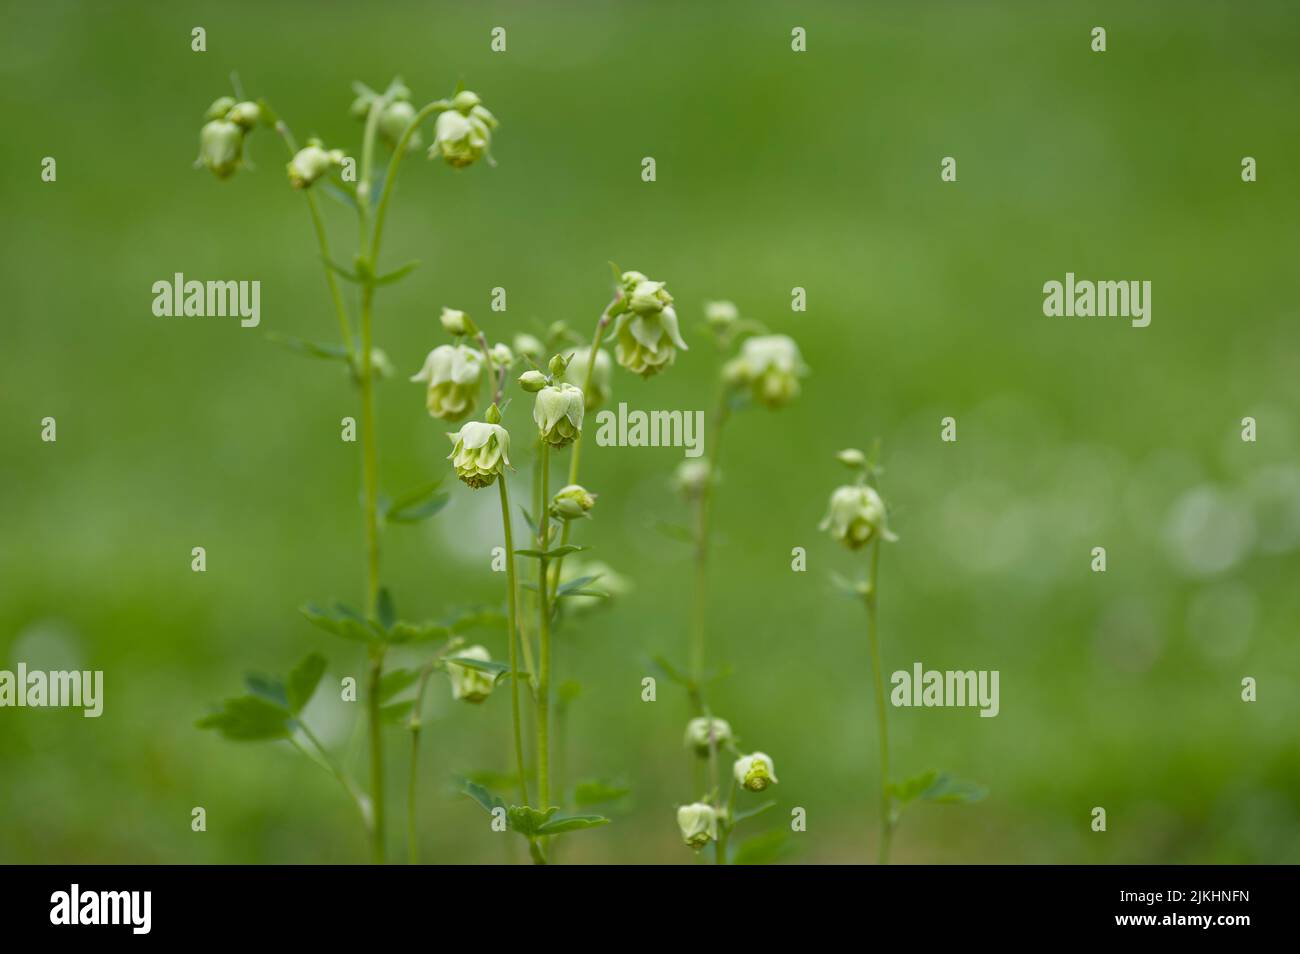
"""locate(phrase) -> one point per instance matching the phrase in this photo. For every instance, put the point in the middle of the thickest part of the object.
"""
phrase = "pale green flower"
(311, 162)
(245, 115)
(647, 343)
(220, 108)
(463, 133)
(558, 414)
(532, 381)
(698, 823)
(855, 516)
(755, 772)
(697, 734)
(455, 322)
(502, 356)
(692, 477)
(452, 373)
(480, 452)
(721, 315)
(576, 372)
(770, 366)
(572, 502)
(471, 685)
(393, 120)
(221, 147)
(529, 346)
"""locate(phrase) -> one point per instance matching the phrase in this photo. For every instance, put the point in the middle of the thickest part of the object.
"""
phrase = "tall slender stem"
(369, 451)
(381, 210)
(513, 634)
(376, 755)
(700, 626)
(544, 638)
(873, 637)
(412, 829)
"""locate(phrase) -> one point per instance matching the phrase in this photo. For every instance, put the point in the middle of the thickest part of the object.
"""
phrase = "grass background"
(775, 170)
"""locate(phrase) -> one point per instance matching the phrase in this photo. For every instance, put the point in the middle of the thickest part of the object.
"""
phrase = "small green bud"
(465, 101)
(698, 730)
(855, 516)
(380, 364)
(698, 823)
(471, 685)
(246, 115)
(558, 414)
(755, 772)
(649, 298)
(493, 415)
(852, 458)
(529, 346)
(221, 147)
(310, 163)
(456, 322)
(480, 452)
(502, 356)
(628, 281)
(770, 366)
(463, 134)
(721, 315)
(452, 373)
(572, 502)
(557, 365)
(692, 476)
(219, 108)
(393, 120)
(532, 381)
(576, 373)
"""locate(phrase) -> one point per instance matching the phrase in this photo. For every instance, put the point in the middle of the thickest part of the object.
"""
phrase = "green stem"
(514, 636)
(369, 450)
(381, 210)
(886, 823)
(376, 754)
(699, 629)
(321, 757)
(544, 638)
(412, 830)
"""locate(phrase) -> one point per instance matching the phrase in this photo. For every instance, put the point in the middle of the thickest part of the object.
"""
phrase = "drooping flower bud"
(698, 823)
(532, 381)
(558, 414)
(648, 298)
(528, 346)
(628, 281)
(855, 516)
(755, 772)
(502, 356)
(647, 342)
(576, 374)
(721, 315)
(770, 366)
(452, 373)
(455, 322)
(698, 731)
(692, 477)
(245, 115)
(572, 502)
(467, 684)
(463, 133)
(219, 108)
(393, 120)
(852, 458)
(221, 147)
(480, 452)
(311, 162)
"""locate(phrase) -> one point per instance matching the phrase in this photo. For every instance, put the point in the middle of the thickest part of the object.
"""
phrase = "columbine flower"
(577, 372)
(452, 373)
(647, 336)
(220, 108)
(471, 685)
(455, 322)
(311, 162)
(572, 502)
(480, 451)
(770, 366)
(221, 147)
(244, 115)
(855, 516)
(721, 315)
(698, 823)
(756, 772)
(463, 133)
(558, 414)
(691, 477)
(393, 120)
(697, 734)
(528, 346)
(502, 356)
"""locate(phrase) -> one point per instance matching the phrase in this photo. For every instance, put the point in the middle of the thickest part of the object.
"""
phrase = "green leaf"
(762, 849)
(394, 681)
(397, 274)
(384, 609)
(552, 554)
(491, 666)
(303, 680)
(528, 519)
(341, 270)
(593, 594)
(485, 798)
(948, 790)
(739, 817)
(340, 621)
(909, 789)
(417, 505)
(404, 632)
(579, 583)
(529, 821)
(268, 688)
(474, 619)
(342, 196)
(668, 669)
(249, 719)
(596, 791)
(311, 349)
(561, 824)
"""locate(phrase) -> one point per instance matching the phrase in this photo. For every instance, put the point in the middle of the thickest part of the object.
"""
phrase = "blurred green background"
(775, 170)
